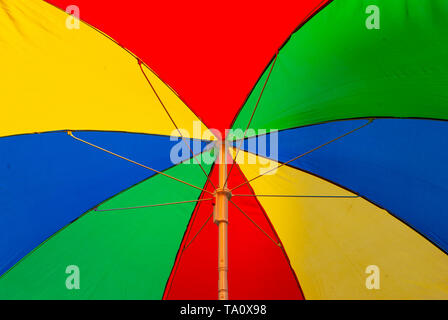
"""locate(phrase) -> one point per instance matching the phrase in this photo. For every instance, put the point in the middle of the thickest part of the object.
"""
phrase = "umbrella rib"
(150, 205)
(134, 162)
(174, 123)
(250, 120)
(197, 233)
(304, 154)
(278, 244)
(291, 196)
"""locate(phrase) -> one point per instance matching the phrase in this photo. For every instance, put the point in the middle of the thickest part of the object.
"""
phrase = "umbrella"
(119, 180)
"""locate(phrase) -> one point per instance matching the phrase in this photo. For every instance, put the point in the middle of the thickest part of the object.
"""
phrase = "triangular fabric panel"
(77, 79)
(338, 67)
(119, 254)
(335, 244)
(398, 164)
(48, 180)
(210, 53)
(258, 267)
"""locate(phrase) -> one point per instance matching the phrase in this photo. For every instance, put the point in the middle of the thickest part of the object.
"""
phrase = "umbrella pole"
(222, 194)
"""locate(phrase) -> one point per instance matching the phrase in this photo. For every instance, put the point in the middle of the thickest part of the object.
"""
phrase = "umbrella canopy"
(108, 181)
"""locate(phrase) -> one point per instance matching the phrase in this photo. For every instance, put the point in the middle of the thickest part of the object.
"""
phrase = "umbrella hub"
(222, 196)
(223, 192)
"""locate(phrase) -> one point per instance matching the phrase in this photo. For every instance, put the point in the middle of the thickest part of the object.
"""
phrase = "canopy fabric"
(108, 142)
